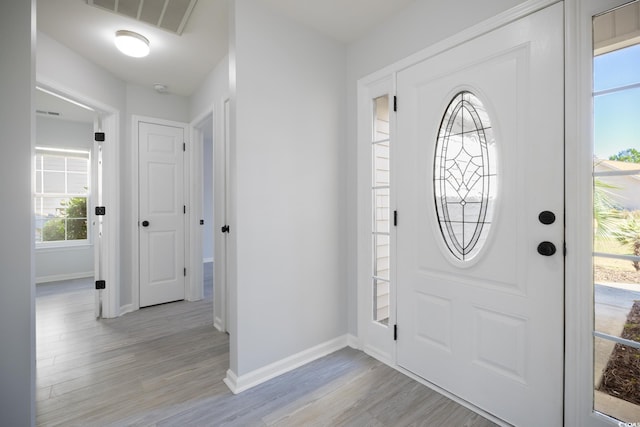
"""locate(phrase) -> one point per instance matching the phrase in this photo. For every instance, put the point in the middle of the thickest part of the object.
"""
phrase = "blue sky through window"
(617, 114)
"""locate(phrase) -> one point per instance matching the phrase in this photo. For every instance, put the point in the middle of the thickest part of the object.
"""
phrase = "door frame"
(579, 316)
(371, 336)
(135, 196)
(363, 168)
(219, 114)
(195, 286)
(108, 257)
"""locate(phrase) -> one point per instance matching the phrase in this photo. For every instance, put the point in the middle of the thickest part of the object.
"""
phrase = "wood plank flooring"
(163, 366)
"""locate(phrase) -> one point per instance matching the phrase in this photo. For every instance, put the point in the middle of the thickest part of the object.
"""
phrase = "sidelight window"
(381, 208)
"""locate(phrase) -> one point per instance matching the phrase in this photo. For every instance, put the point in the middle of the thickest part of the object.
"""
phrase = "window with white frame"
(62, 179)
(381, 208)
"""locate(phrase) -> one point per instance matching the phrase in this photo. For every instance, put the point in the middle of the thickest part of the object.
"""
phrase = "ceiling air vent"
(170, 15)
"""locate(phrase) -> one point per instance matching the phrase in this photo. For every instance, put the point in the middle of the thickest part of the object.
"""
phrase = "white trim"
(207, 260)
(238, 384)
(67, 276)
(376, 339)
(385, 358)
(218, 323)
(195, 287)
(127, 308)
(353, 341)
(221, 213)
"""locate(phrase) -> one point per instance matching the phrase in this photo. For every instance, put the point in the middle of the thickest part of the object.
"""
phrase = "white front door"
(161, 213)
(480, 310)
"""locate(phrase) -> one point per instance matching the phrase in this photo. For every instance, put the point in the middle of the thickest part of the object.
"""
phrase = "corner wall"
(17, 120)
(288, 118)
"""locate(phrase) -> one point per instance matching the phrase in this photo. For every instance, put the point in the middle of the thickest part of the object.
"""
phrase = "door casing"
(363, 162)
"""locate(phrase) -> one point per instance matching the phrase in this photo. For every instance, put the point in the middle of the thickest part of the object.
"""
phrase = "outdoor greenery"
(610, 221)
(629, 155)
(73, 216)
(628, 234)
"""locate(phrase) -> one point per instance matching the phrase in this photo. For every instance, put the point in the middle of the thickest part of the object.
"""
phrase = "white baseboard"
(353, 341)
(128, 308)
(244, 382)
(379, 355)
(206, 260)
(217, 323)
(58, 277)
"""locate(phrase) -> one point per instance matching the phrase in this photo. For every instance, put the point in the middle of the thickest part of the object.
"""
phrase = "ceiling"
(54, 107)
(181, 62)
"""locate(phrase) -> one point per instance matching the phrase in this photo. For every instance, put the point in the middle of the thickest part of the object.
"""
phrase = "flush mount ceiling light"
(132, 44)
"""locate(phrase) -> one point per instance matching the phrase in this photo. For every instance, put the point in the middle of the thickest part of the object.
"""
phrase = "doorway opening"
(202, 226)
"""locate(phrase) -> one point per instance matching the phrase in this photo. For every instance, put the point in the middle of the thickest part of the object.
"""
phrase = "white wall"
(17, 330)
(63, 262)
(416, 27)
(289, 139)
(60, 66)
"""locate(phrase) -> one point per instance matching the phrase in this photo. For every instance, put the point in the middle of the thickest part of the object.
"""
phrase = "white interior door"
(161, 213)
(480, 310)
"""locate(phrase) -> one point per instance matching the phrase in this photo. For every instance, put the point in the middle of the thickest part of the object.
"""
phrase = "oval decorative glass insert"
(464, 176)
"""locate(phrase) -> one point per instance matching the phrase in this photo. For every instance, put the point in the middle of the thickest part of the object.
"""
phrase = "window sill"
(62, 246)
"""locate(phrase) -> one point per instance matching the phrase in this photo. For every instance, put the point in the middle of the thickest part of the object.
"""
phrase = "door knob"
(546, 248)
(145, 223)
(547, 217)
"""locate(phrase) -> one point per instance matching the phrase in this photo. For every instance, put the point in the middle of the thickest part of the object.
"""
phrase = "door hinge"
(225, 229)
(395, 218)
(564, 248)
(98, 136)
(395, 332)
(185, 272)
(101, 284)
(184, 146)
(184, 209)
(395, 103)
(101, 210)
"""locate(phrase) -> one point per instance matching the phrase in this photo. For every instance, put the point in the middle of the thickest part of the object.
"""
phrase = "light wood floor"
(163, 366)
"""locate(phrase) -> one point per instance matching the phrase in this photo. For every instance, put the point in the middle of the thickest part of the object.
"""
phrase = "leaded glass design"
(464, 176)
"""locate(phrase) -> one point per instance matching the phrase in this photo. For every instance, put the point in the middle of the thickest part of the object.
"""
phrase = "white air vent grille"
(171, 15)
